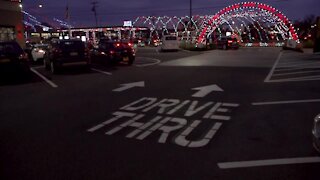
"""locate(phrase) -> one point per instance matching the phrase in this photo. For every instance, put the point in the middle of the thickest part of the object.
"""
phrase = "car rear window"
(173, 38)
(10, 49)
(66, 45)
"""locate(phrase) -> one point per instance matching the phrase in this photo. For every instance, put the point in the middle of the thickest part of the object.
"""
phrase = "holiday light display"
(247, 21)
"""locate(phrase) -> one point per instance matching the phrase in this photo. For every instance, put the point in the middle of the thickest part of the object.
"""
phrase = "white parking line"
(156, 61)
(37, 67)
(185, 50)
(270, 162)
(273, 68)
(298, 63)
(285, 102)
(293, 73)
(103, 72)
(293, 80)
(44, 78)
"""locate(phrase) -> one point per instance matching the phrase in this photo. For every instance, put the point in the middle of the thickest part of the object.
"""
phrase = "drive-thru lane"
(159, 122)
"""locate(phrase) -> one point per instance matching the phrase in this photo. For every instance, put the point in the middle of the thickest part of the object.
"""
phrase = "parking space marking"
(185, 50)
(273, 68)
(37, 67)
(292, 73)
(155, 62)
(269, 162)
(103, 72)
(44, 78)
(304, 69)
(285, 102)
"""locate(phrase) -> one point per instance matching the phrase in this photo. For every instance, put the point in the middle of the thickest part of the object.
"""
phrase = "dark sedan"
(12, 58)
(227, 43)
(64, 53)
(113, 52)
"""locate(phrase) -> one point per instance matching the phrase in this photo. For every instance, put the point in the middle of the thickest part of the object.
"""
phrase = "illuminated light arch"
(216, 20)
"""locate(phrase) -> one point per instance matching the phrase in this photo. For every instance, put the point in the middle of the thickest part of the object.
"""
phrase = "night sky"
(113, 12)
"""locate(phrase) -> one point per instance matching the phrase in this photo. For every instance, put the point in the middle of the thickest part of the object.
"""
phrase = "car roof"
(8, 42)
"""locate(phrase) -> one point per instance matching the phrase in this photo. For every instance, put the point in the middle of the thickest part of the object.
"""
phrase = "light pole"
(190, 22)
(94, 10)
(190, 13)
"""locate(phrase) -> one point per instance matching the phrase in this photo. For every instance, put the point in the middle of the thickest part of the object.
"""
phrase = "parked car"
(169, 42)
(316, 133)
(113, 52)
(227, 43)
(140, 43)
(38, 51)
(155, 42)
(12, 58)
(64, 53)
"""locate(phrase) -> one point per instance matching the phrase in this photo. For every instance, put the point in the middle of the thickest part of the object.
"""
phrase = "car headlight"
(316, 127)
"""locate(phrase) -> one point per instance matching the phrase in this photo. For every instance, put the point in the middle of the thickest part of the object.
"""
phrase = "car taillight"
(230, 41)
(58, 51)
(130, 44)
(111, 52)
(23, 57)
(117, 44)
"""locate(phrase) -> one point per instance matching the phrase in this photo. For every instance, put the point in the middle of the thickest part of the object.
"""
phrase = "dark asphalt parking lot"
(240, 114)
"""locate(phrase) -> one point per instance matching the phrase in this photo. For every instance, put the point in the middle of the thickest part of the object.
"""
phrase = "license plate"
(125, 59)
(73, 54)
(4, 60)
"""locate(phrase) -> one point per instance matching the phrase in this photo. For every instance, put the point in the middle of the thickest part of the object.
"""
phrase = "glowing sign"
(127, 23)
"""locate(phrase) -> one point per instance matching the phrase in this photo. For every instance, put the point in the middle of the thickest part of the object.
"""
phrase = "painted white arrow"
(129, 85)
(205, 90)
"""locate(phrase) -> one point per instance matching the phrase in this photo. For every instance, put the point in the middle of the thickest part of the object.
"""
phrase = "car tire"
(130, 62)
(46, 64)
(53, 67)
(224, 47)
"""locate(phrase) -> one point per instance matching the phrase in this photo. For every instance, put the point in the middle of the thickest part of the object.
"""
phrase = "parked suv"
(227, 43)
(13, 58)
(113, 52)
(64, 53)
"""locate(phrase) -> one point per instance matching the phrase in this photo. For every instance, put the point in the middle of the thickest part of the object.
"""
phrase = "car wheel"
(46, 64)
(224, 47)
(130, 62)
(53, 67)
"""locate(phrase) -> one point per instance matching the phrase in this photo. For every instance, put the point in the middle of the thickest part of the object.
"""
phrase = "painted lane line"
(205, 90)
(285, 102)
(185, 50)
(129, 86)
(156, 61)
(306, 64)
(103, 72)
(52, 84)
(37, 67)
(303, 78)
(292, 80)
(273, 68)
(306, 77)
(281, 64)
(293, 73)
(270, 162)
(298, 68)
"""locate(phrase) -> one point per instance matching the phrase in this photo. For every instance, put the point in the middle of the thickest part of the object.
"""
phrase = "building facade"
(11, 21)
